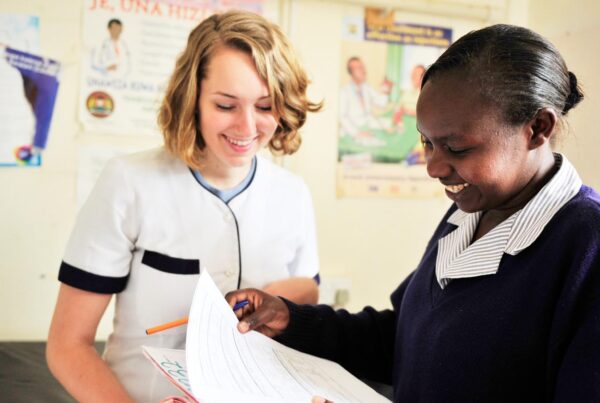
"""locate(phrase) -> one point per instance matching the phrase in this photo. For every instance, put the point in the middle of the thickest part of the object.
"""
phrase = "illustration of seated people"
(406, 111)
(17, 119)
(362, 106)
(112, 58)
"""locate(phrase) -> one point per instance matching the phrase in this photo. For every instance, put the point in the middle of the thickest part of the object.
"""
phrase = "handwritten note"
(172, 364)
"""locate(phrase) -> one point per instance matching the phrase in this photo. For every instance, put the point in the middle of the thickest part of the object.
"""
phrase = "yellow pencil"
(166, 326)
(183, 321)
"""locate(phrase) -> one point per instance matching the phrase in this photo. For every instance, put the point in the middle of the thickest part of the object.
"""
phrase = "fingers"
(250, 294)
(267, 314)
(254, 297)
(175, 399)
(256, 319)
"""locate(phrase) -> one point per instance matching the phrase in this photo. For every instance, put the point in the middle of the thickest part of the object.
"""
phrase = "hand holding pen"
(264, 313)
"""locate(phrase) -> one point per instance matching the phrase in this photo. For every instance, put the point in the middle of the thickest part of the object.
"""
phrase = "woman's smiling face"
(236, 114)
(483, 162)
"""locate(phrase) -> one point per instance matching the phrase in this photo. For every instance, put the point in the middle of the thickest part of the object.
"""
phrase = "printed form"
(224, 365)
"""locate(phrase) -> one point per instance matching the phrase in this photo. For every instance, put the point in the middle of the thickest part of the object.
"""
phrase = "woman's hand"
(176, 399)
(264, 313)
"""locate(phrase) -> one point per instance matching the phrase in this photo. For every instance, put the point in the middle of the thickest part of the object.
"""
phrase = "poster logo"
(24, 155)
(100, 104)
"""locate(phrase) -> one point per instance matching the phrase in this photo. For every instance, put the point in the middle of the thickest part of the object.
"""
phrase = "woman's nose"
(437, 165)
(246, 123)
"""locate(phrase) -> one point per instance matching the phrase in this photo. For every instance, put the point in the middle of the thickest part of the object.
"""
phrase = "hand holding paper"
(223, 365)
(264, 313)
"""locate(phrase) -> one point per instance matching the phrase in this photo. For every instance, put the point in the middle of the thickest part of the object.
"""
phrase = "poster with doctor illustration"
(383, 59)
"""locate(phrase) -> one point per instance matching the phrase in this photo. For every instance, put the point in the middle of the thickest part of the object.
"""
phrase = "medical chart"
(224, 365)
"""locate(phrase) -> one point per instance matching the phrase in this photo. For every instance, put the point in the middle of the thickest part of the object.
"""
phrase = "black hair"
(114, 21)
(516, 69)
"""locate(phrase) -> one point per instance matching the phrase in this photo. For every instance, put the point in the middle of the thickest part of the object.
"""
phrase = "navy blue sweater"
(529, 333)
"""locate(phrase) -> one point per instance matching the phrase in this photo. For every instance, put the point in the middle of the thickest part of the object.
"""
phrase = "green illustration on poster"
(380, 82)
(390, 135)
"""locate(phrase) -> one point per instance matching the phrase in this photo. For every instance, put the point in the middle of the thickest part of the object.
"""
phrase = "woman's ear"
(542, 127)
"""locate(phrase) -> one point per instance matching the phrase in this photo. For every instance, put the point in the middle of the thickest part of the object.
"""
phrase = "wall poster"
(379, 149)
(28, 90)
(130, 48)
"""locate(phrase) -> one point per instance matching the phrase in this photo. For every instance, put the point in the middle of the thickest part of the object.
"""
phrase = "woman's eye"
(426, 143)
(264, 108)
(224, 107)
(458, 151)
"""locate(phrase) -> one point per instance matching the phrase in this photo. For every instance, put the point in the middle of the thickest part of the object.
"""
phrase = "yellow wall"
(574, 27)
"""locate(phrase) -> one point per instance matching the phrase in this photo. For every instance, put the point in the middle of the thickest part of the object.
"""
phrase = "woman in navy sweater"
(505, 303)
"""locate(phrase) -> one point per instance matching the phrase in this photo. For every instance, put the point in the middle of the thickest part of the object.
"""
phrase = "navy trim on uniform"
(170, 264)
(87, 281)
(317, 278)
(249, 182)
(250, 179)
(226, 196)
(237, 231)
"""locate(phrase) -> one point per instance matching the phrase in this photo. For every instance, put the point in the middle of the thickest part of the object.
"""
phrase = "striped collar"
(458, 258)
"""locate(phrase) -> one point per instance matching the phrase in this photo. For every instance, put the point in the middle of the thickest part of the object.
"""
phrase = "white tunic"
(149, 226)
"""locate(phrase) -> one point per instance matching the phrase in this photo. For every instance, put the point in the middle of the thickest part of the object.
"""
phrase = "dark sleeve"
(579, 374)
(575, 343)
(363, 343)
(91, 282)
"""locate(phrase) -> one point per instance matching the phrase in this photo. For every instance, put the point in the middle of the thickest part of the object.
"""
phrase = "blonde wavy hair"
(275, 61)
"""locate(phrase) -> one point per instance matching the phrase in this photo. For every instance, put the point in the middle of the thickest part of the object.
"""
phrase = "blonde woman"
(204, 201)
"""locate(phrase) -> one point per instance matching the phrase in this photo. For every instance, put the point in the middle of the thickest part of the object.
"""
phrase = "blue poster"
(28, 89)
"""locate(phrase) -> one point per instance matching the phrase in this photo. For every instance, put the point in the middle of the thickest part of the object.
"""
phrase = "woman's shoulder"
(277, 176)
(581, 214)
(585, 204)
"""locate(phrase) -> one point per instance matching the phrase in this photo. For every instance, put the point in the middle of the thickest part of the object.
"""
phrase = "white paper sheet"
(224, 365)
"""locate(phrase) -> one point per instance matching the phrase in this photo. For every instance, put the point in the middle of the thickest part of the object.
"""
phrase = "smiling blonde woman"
(204, 201)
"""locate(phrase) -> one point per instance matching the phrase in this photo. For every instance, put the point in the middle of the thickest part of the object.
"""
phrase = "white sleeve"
(99, 252)
(306, 262)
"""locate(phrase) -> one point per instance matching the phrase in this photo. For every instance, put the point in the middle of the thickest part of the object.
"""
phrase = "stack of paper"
(224, 365)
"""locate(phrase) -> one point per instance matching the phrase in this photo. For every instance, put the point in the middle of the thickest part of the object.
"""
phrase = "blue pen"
(240, 305)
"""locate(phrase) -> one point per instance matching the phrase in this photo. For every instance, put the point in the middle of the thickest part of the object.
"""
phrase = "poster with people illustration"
(379, 148)
(130, 48)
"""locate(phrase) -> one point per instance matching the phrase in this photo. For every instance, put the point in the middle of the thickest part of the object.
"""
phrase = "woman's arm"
(363, 343)
(70, 351)
(301, 290)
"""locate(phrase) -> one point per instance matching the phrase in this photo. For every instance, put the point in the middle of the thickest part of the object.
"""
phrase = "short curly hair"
(275, 62)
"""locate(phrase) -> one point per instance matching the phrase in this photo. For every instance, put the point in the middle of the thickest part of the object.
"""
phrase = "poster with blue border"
(28, 89)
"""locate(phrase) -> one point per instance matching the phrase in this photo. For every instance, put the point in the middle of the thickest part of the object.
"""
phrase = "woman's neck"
(221, 176)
